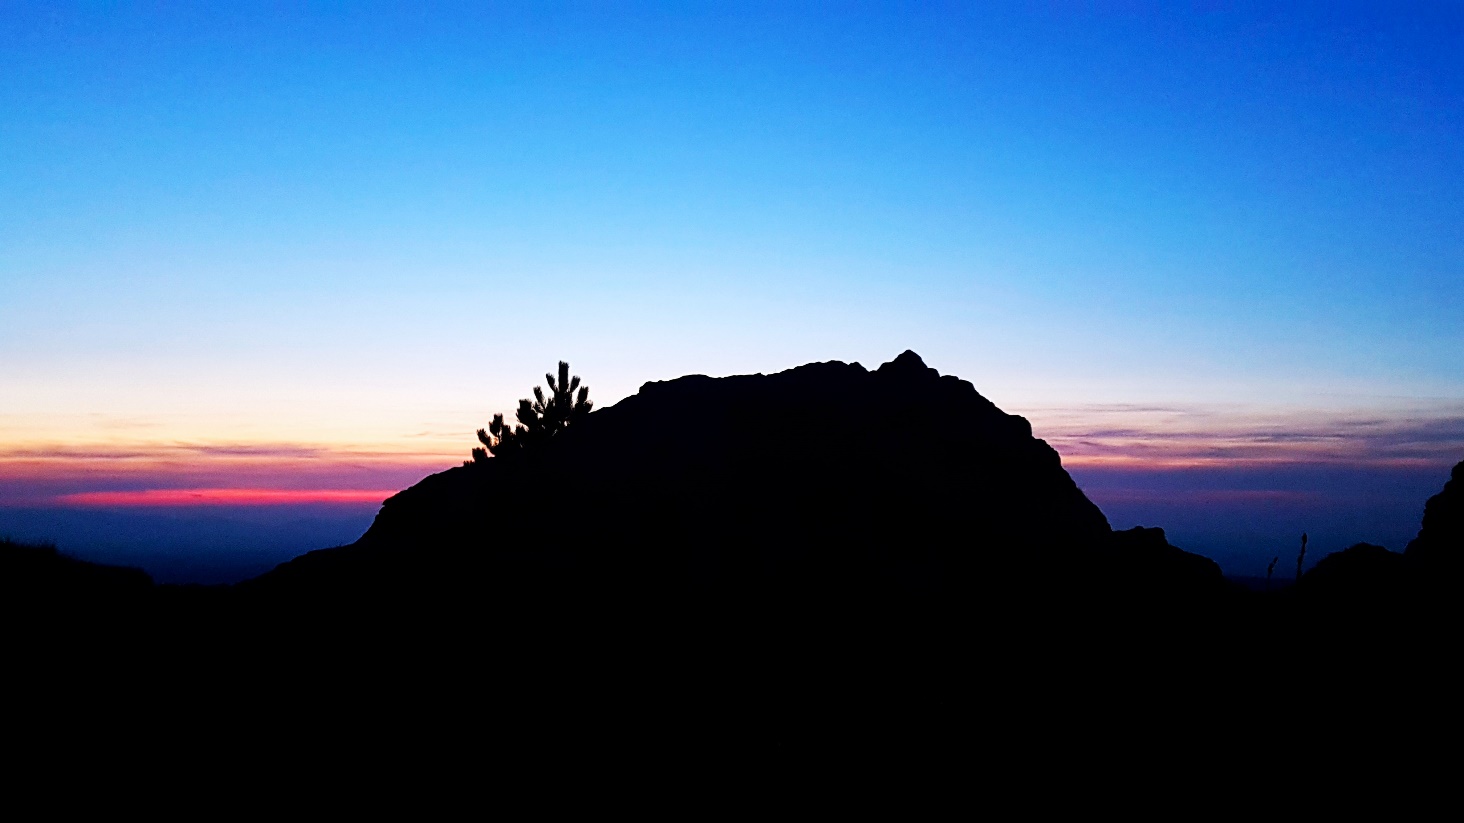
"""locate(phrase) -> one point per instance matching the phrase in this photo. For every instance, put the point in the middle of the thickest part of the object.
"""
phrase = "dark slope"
(58, 611)
(824, 481)
(44, 577)
(1439, 547)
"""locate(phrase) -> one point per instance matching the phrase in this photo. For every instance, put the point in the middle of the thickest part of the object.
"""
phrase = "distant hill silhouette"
(40, 575)
(1363, 574)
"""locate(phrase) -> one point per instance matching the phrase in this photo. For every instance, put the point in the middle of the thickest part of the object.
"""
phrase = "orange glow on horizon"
(224, 497)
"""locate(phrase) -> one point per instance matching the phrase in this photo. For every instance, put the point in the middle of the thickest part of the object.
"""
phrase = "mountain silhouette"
(824, 482)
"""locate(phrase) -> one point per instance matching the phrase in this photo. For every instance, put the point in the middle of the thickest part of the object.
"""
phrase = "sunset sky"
(284, 258)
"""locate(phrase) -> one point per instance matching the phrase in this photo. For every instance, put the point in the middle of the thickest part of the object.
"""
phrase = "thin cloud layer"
(132, 474)
(1156, 438)
(1148, 440)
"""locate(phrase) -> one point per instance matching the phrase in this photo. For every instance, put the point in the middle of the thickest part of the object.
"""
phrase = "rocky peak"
(907, 365)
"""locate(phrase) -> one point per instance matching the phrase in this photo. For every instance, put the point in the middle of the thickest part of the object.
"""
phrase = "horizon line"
(164, 498)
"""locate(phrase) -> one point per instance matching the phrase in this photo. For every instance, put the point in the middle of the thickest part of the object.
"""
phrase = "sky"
(263, 264)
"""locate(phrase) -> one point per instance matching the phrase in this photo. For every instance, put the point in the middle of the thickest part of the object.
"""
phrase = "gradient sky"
(1213, 253)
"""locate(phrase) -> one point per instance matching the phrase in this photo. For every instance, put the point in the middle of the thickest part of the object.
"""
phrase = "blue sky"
(366, 229)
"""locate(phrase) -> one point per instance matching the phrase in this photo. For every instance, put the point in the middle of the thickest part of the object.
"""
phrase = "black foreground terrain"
(828, 545)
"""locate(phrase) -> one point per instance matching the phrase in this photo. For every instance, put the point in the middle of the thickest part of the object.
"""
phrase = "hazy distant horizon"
(1241, 531)
(1239, 508)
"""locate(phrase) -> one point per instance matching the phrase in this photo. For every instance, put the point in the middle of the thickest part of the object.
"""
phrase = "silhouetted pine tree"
(538, 419)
